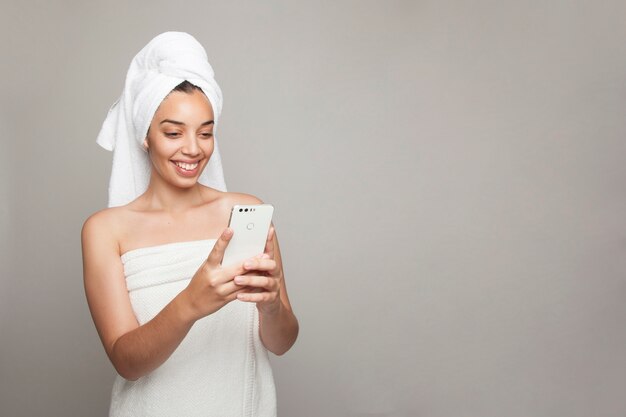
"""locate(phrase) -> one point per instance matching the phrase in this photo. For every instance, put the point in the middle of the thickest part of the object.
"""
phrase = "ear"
(145, 144)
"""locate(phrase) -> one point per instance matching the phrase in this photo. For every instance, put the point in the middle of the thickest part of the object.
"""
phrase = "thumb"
(217, 253)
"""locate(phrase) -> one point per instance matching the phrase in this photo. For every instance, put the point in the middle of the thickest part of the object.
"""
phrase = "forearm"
(145, 348)
(278, 330)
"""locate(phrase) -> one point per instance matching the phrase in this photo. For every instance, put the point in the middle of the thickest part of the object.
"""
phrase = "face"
(180, 138)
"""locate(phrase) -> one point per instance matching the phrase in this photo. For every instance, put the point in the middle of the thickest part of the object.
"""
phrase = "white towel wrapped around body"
(220, 369)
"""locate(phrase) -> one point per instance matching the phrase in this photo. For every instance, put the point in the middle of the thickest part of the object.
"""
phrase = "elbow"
(290, 343)
(122, 368)
(129, 376)
(124, 372)
(279, 352)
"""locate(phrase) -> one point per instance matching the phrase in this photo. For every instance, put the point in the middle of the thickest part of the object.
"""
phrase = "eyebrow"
(208, 122)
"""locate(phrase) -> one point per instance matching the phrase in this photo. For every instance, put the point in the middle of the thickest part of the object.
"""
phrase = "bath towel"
(167, 60)
(220, 369)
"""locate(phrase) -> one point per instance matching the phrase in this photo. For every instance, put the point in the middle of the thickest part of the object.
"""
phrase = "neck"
(163, 196)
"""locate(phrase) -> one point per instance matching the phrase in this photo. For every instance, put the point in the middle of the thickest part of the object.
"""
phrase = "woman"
(186, 335)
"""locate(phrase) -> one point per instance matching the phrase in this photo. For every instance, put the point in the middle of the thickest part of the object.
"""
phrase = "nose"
(191, 146)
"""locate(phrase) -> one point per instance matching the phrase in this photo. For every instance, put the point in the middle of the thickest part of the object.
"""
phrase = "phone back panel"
(250, 231)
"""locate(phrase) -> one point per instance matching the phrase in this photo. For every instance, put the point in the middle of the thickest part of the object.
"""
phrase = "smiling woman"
(186, 335)
(180, 134)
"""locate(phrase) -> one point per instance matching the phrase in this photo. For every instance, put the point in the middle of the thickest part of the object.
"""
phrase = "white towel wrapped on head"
(167, 60)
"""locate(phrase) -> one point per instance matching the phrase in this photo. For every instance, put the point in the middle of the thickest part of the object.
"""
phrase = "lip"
(185, 173)
(185, 162)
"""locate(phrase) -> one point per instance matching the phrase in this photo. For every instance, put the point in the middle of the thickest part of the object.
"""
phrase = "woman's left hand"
(264, 277)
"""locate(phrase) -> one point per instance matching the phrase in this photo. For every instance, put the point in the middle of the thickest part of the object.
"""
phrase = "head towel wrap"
(166, 61)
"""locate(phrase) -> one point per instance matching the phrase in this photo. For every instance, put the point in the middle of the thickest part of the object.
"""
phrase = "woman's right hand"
(212, 286)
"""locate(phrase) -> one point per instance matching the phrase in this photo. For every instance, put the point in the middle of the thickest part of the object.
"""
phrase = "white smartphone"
(251, 225)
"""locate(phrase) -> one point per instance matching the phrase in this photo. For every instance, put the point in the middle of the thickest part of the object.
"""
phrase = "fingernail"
(227, 232)
(248, 264)
(238, 280)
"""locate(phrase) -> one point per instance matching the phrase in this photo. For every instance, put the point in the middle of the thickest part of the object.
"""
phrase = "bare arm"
(278, 326)
(145, 348)
(136, 350)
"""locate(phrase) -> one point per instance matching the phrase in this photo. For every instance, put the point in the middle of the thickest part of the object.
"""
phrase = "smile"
(186, 167)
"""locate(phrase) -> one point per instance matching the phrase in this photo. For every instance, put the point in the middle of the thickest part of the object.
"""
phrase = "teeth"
(188, 167)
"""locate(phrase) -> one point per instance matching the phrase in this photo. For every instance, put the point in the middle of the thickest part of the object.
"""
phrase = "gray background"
(448, 180)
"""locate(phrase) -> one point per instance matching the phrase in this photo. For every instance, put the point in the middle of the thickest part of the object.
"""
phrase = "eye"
(171, 134)
(207, 135)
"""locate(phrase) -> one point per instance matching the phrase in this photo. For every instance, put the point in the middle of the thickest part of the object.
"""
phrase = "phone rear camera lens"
(246, 209)
(240, 210)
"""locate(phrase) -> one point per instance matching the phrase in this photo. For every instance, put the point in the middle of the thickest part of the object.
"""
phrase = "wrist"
(272, 310)
(183, 308)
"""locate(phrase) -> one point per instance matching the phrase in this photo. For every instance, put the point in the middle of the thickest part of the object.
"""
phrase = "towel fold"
(167, 60)
(221, 368)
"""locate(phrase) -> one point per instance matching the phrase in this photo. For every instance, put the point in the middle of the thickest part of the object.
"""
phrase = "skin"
(175, 209)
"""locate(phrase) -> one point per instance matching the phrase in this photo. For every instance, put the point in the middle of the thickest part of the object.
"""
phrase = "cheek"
(209, 146)
(160, 151)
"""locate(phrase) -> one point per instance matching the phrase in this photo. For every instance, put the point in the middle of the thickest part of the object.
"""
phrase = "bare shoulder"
(103, 226)
(241, 198)
(104, 279)
(224, 200)
(100, 218)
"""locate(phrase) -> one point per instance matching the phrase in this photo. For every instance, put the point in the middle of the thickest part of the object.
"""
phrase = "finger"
(233, 295)
(230, 290)
(269, 244)
(257, 281)
(217, 253)
(259, 264)
(255, 297)
(231, 271)
(225, 277)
